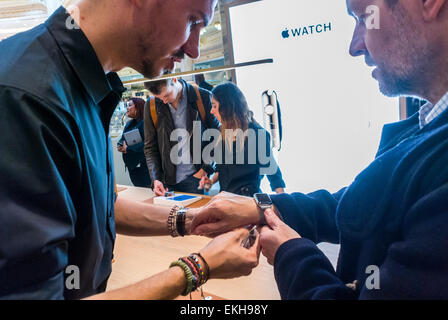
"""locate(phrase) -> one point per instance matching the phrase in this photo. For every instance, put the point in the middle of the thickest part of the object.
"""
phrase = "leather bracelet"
(180, 221)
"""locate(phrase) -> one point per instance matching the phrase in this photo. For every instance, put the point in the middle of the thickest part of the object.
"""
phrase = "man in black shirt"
(58, 91)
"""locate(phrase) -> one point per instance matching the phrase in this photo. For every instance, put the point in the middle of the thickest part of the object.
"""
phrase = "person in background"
(230, 107)
(177, 107)
(200, 81)
(133, 155)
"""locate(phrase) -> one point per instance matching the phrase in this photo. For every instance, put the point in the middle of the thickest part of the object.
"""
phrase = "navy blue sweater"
(394, 216)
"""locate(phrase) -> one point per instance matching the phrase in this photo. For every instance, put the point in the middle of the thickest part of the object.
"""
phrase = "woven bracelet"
(188, 275)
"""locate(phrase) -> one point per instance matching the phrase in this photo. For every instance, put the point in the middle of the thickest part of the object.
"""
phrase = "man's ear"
(432, 9)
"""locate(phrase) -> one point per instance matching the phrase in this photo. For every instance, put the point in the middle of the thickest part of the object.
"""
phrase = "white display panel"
(332, 109)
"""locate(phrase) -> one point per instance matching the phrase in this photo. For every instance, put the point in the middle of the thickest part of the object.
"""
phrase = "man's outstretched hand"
(226, 257)
(225, 212)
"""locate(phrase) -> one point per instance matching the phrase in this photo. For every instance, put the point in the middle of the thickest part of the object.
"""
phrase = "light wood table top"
(137, 258)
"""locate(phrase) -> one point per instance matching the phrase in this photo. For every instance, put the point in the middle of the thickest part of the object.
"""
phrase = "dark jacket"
(245, 178)
(157, 141)
(56, 165)
(394, 216)
(134, 154)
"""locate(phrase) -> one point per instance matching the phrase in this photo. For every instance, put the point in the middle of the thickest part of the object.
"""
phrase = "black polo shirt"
(56, 169)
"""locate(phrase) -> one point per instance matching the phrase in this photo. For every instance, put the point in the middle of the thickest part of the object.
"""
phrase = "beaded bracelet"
(188, 275)
(207, 268)
(172, 223)
(200, 268)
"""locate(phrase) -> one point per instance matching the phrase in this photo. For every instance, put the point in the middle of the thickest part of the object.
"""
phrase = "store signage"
(305, 31)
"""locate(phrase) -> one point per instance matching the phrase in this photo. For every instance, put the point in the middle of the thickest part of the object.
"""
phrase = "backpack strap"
(201, 108)
(152, 107)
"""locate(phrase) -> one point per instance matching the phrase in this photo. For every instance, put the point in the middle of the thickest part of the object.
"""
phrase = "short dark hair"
(156, 87)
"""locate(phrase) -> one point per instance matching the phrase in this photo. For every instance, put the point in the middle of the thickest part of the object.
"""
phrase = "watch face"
(269, 109)
(263, 199)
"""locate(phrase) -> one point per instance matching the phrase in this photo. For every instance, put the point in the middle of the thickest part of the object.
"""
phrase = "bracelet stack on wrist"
(172, 223)
(196, 273)
(176, 221)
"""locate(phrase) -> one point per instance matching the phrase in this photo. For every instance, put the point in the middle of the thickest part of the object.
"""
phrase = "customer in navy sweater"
(392, 221)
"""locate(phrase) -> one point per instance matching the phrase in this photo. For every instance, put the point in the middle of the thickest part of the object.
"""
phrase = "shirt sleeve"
(312, 215)
(303, 272)
(275, 179)
(40, 172)
(415, 266)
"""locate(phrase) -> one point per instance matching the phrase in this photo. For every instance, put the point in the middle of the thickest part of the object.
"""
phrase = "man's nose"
(191, 47)
(357, 46)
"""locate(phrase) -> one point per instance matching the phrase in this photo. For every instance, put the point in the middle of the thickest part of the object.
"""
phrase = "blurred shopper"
(177, 105)
(133, 155)
(58, 207)
(230, 107)
(200, 81)
(392, 221)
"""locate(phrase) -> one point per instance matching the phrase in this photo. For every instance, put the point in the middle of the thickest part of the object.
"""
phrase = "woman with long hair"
(133, 155)
(246, 146)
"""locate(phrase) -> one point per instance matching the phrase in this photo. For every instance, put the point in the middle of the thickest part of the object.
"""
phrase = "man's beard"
(148, 70)
(409, 76)
(147, 65)
(393, 85)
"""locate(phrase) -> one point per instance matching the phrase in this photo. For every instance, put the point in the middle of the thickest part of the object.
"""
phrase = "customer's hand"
(274, 235)
(228, 259)
(279, 190)
(201, 173)
(124, 147)
(225, 212)
(205, 183)
(159, 188)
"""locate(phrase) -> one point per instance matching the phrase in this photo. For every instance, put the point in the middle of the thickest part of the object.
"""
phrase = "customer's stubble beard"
(406, 72)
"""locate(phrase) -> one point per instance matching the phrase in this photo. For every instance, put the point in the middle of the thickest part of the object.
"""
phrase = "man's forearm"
(135, 218)
(166, 285)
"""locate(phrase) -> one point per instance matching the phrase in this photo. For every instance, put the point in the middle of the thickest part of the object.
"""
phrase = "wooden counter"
(137, 258)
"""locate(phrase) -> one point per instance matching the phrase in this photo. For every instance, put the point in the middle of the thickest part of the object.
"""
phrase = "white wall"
(332, 110)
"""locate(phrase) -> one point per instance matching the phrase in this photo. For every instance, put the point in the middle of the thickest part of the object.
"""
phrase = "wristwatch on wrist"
(263, 201)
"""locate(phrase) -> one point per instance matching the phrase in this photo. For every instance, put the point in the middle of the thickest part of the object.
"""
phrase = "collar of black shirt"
(82, 57)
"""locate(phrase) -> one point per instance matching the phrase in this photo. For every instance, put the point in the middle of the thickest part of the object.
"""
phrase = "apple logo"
(285, 33)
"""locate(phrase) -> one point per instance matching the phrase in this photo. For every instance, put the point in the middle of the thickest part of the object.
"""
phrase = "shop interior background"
(332, 110)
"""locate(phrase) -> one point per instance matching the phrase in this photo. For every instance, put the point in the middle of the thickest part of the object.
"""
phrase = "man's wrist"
(191, 214)
(257, 212)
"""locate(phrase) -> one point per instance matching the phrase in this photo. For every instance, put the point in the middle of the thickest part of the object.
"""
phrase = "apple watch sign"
(304, 31)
